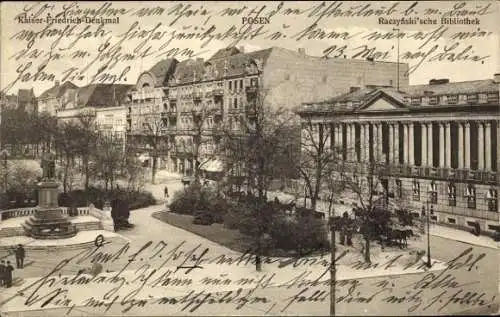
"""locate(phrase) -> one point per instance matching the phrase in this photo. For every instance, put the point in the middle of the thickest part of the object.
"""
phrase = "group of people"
(6, 268)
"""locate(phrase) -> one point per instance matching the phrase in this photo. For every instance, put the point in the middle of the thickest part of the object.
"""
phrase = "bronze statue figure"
(48, 165)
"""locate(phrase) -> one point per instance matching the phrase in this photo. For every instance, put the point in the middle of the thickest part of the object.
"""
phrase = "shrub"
(302, 235)
(97, 196)
(197, 198)
(186, 201)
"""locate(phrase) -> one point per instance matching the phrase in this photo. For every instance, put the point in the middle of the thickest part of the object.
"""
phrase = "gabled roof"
(102, 95)
(57, 90)
(464, 87)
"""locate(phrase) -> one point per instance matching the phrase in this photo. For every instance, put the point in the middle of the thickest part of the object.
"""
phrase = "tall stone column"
(487, 146)
(461, 155)
(380, 141)
(367, 142)
(375, 141)
(448, 144)
(411, 144)
(480, 145)
(353, 142)
(424, 144)
(348, 141)
(406, 137)
(336, 135)
(441, 145)
(467, 146)
(430, 154)
(396, 143)
(391, 143)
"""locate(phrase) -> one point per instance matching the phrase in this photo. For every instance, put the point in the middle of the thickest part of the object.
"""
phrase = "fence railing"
(28, 211)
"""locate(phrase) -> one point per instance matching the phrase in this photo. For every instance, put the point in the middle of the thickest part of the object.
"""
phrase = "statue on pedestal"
(48, 166)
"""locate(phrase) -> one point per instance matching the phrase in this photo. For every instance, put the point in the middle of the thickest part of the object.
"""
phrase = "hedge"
(97, 196)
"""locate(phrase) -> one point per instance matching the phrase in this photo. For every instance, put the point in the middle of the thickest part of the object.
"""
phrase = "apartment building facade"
(438, 144)
(166, 97)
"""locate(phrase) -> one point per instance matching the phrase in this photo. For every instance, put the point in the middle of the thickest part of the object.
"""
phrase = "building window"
(492, 198)
(433, 100)
(254, 82)
(452, 195)
(416, 101)
(492, 97)
(470, 194)
(452, 99)
(416, 190)
(433, 194)
(472, 98)
(235, 104)
(483, 98)
(241, 84)
(230, 85)
(399, 188)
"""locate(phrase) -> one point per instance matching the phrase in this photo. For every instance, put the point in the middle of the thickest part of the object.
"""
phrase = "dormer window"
(483, 98)
(433, 100)
(452, 99)
(492, 97)
(415, 101)
(472, 98)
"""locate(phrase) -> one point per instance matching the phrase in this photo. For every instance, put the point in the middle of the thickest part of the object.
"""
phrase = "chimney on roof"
(302, 51)
(496, 78)
(439, 81)
(241, 49)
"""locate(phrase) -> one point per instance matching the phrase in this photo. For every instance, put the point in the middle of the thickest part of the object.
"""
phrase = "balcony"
(197, 95)
(172, 95)
(164, 114)
(218, 92)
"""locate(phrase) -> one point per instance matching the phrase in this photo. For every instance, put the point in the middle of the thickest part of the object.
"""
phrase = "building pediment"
(382, 102)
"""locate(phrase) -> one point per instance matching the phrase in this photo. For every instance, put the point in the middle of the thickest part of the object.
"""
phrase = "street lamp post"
(4, 155)
(428, 212)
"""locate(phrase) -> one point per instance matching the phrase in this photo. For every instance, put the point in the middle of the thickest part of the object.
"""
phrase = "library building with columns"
(438, 144)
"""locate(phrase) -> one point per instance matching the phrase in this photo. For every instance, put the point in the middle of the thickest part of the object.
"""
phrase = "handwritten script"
(101, 43)
(196, 280)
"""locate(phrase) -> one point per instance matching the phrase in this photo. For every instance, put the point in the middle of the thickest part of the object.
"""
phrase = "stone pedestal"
(48, 221)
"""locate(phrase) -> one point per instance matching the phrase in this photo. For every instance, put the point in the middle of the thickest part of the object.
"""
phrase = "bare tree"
(318, 159)
(109, 158)
(372, 215)
(256, 141)
(86, 141)
(156, 140)
(67, 145)
(203, 133)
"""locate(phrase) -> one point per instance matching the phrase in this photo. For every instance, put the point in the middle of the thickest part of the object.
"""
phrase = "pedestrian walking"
(8, 274)
(166, 191)
(20, 256)
(2, 273)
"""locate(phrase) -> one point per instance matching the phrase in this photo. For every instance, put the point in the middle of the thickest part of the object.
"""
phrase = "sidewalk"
(463, 236)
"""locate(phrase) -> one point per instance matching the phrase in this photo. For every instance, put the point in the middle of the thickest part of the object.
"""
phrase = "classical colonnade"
(364, 141)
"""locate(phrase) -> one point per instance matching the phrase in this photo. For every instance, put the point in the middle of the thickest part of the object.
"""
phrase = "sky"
(157, 30)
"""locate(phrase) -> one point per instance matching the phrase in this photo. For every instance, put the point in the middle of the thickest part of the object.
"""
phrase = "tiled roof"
(57, 90)
(161, 70)
(225, 53)
(193, 70)
(464, 87)
(102, 95)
